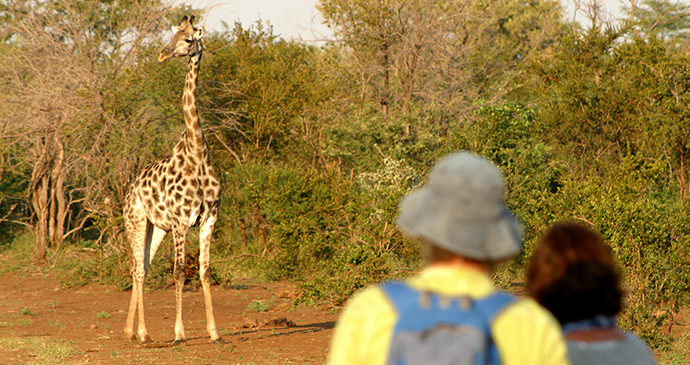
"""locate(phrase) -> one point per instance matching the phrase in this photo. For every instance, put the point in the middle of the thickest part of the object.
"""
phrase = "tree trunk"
(385, 65)
(48, 193)
(58, 195)
(51, 211)
(243, 234)
(40, 184)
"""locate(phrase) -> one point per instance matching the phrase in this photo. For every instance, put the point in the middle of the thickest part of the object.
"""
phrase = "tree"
(56, 120)
(667, 19)
(447, 53)
(370, 28)
(262, 93)
(603, 99)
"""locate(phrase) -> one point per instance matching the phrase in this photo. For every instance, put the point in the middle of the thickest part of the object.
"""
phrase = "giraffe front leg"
(205, 275)
(179, 236)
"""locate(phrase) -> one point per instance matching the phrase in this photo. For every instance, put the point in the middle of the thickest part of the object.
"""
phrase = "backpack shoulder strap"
(401, 295)
(491, 306)
(494, 304)
(407, 302)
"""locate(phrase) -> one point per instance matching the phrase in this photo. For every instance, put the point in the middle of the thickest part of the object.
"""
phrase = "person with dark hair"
(573, 274)
(450, 312)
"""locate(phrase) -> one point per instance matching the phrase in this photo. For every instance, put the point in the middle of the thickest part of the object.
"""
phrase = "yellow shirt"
(524, 332)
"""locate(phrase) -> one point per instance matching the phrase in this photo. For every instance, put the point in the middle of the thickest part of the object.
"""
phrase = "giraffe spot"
(195, 183)
(160, 207)
(189, 192)
(178, 211)
(206, 182)
(184, 182)
(178, 197)
(157, 215)
(214, 183)
(211, 192)
(162, 183)
(178, 187)
(178, 177)
(187, 201)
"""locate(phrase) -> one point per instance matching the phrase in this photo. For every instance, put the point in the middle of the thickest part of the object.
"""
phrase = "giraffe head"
(185, 42)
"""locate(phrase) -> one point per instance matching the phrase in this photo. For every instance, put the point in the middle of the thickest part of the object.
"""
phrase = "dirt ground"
(256, 321)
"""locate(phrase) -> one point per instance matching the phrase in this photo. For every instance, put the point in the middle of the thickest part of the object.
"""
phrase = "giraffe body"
(172, 195)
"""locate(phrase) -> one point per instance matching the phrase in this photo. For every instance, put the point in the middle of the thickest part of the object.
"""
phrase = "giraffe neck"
(195, 143)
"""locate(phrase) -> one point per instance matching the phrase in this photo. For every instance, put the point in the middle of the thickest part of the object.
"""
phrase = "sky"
(611, 9)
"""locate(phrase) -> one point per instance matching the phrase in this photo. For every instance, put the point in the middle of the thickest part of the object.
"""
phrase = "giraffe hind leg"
(136, 225)
(205, 233)
(143, 256)
(154, 237)
(179, 240)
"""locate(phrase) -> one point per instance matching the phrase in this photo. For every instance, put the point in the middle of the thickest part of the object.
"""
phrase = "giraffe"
(172, 195)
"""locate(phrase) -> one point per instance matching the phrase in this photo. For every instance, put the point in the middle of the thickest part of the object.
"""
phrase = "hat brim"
(483, 238)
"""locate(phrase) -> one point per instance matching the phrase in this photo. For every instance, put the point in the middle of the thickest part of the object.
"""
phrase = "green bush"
(320, 227)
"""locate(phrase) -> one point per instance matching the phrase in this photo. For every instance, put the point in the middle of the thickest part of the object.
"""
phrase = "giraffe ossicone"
(172, 195)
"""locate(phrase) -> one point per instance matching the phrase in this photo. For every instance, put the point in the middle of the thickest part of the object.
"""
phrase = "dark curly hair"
(573, 274)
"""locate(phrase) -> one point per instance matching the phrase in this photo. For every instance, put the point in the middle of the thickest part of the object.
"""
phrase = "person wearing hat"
(465, 230)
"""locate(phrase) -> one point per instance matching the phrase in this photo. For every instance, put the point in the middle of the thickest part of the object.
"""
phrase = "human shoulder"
(363, 330)
(526, 333)
(369, 301)
(527, 309)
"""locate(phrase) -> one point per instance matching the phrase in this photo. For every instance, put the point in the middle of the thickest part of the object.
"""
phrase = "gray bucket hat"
(461, 209)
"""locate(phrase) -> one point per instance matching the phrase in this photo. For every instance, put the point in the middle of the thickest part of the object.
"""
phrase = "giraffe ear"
(175, 28)
(199, 33)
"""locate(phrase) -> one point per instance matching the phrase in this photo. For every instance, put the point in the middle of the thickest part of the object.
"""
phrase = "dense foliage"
(315, 145)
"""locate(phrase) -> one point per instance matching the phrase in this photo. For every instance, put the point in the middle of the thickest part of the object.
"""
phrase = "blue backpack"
(433, 329)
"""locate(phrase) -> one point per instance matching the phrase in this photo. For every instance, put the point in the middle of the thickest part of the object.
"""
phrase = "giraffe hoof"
(180, 342)
(146, 339)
